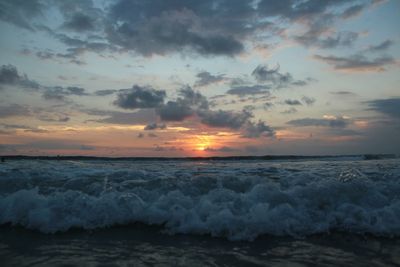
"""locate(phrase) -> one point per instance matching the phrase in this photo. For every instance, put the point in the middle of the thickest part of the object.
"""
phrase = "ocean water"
(325, 212)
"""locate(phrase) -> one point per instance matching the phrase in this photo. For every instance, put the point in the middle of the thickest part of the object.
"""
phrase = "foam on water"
(237, 200)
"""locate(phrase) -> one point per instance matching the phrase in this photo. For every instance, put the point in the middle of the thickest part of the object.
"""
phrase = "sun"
(201, 147)
(202, 142)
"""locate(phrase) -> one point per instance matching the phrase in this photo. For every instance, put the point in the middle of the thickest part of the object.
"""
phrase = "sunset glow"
(181, 79)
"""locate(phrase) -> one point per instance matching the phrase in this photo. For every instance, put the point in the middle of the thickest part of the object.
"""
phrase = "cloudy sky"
(199, 78)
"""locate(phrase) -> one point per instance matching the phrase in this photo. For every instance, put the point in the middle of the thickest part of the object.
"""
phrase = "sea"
(238, 211)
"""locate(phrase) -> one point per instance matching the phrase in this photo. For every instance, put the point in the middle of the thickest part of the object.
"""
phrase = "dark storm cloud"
(381, 47)
(140, 97)
(390, 106)
(357, 62)
(154, 126)
(248, 90)
(205, 78)
(337, 122)
(9, 76)
(293, 102)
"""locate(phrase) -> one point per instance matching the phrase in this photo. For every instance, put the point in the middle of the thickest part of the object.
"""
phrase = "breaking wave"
(237, 200)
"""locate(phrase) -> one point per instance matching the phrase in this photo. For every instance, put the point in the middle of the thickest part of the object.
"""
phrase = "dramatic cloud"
(193, 104)
(155, 28)
(175, 111)
(184, 106)
(208, 27)
(327, 121)
(140, 97)
(390, 106)
(193, 98)
(357, 63)
(205, 78)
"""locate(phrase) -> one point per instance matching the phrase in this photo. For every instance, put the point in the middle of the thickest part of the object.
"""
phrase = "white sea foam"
(237, 200)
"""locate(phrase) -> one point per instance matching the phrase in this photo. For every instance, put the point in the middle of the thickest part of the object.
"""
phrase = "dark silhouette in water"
(3, 159)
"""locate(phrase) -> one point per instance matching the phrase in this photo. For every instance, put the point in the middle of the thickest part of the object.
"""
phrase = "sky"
(199, 78)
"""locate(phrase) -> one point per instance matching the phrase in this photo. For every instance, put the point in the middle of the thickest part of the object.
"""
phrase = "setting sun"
(203, 142)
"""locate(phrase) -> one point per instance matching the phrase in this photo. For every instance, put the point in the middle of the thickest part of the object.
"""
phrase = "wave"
(239, 203)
